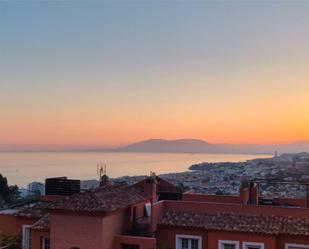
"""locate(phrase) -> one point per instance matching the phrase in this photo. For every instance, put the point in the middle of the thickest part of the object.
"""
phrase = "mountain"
(161, 145)
(200, 146)
(179, 146)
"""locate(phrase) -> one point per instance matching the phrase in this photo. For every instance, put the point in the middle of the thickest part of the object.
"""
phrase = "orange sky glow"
(121, 73)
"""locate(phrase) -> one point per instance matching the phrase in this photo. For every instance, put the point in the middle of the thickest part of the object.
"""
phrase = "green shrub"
(10, 241)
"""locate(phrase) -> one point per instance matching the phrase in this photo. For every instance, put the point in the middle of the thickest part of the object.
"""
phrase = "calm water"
(22, 168)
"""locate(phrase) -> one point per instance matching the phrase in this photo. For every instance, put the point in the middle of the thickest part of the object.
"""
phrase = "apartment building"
(153, 214)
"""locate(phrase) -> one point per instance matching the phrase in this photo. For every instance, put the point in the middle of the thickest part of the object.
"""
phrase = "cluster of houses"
(155, 214)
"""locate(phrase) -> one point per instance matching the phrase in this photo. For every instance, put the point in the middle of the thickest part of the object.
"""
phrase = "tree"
(9, 241)
(8, 194)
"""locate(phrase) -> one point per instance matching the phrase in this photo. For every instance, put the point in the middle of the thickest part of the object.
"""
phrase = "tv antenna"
(101, 169)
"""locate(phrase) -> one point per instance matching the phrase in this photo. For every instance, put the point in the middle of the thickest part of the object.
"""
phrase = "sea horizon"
(21, 168)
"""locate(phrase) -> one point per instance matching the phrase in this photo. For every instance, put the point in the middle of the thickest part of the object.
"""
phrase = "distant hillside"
(200, 146)
(161, 145)
(180, 146)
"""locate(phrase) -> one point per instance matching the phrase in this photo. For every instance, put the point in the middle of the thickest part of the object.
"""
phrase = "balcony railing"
(137, 241)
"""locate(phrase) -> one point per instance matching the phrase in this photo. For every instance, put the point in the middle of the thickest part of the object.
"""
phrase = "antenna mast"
(101, 169)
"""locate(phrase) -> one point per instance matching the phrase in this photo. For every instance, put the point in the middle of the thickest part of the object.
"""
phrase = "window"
(148, 209)
(188, 242)
(252, 245)
(45, 243)
(296, 246)
(128, 246)
(228, 244)
(26, 237)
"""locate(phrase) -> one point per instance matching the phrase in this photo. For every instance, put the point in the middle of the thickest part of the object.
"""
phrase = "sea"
(21, 168)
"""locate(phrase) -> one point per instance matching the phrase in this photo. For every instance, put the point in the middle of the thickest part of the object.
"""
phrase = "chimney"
(244, 195)
(253, 194)
(150, 187)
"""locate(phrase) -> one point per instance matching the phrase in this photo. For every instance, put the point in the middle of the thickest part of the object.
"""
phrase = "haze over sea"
(22, 168)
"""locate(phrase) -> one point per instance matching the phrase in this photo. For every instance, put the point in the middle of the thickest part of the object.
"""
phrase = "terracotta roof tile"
(295, 226)
(232, 222)
(103, 199)
(36, 210)
(42, 224)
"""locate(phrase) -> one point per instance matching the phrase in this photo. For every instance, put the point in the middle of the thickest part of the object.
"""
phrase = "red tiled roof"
(36, 210)
(231, 222)
(163, 185)
(51, 198)
(295, 226)
(42, 224)
(103, 199)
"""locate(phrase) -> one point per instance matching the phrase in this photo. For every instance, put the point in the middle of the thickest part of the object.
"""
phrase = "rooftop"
(34, 209)
(233, 222)
(103, 199)
(42, 224)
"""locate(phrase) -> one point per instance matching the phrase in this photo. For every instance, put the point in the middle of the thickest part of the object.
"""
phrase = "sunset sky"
(108, 74)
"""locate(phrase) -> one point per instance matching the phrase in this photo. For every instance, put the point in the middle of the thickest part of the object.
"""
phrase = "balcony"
(141, 227)
(136, 242)
(143, 223)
